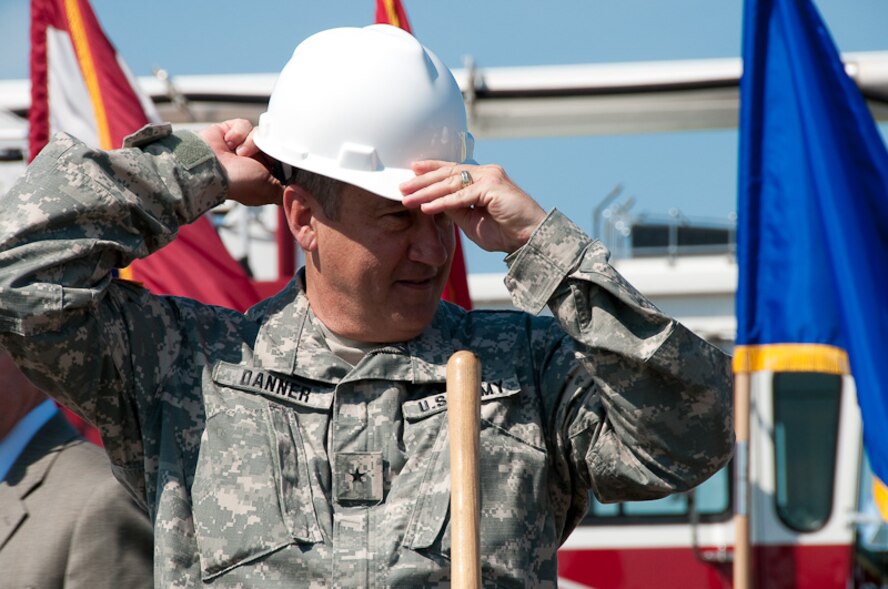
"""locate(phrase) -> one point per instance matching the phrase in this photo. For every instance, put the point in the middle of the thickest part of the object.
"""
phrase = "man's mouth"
(424, 283)
(418, 282)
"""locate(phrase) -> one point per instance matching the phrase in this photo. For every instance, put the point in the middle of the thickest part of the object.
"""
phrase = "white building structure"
(509, 102)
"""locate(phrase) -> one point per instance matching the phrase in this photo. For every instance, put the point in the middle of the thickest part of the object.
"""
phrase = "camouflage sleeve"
(74, 215)
(639, 406)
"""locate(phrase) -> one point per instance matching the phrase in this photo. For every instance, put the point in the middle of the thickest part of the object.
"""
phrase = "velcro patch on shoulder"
(148, 134)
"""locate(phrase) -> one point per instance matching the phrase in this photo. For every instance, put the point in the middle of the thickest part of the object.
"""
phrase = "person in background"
(65, 522)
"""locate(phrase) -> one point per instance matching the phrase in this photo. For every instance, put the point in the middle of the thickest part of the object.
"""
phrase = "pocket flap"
(432, 507)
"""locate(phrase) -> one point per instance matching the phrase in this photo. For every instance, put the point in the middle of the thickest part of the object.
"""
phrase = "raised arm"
(639, 405)
(99, 345)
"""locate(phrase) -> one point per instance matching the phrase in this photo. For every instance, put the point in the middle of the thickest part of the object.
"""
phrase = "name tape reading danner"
(263, 382)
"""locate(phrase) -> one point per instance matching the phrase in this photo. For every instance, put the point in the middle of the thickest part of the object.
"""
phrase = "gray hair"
(327, 191)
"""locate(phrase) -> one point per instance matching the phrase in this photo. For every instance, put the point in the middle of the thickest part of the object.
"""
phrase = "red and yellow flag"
(391, 12)
(78, 82)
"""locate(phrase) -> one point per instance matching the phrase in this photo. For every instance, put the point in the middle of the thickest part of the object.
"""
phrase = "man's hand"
(250, 181)
(492, 211)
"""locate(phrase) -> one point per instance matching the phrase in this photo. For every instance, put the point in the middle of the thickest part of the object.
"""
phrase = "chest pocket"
(513, 469)
(252, 493)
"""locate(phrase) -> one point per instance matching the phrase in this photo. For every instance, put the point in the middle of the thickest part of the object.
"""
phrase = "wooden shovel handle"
(463, 421)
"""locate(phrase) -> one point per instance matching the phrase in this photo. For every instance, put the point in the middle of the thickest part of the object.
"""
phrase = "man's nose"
(432, 241)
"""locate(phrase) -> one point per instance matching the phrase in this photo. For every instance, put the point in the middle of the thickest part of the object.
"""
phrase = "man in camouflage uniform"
(305, 442)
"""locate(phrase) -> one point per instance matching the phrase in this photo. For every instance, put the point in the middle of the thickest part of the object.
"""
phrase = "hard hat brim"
(384, 182)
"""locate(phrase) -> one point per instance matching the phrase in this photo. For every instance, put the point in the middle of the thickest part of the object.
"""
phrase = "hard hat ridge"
(360, 105)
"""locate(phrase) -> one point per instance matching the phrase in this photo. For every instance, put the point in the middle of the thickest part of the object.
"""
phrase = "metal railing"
(634, 235)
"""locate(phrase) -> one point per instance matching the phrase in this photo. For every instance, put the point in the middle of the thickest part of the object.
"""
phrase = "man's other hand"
(490, 209)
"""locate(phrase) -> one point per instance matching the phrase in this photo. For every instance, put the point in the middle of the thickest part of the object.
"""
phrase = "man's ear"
(300, 208)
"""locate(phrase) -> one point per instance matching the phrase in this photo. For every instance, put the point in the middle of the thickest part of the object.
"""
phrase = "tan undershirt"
(348, 349)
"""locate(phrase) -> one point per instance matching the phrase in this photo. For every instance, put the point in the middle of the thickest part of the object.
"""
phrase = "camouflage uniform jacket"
(266, 461)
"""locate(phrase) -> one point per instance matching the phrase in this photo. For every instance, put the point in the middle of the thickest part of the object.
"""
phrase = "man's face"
(379, 269)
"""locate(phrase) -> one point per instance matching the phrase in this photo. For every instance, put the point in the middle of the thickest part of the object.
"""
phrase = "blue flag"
(813, 214)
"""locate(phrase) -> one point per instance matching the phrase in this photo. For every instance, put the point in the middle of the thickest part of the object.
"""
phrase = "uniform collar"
(289, 343)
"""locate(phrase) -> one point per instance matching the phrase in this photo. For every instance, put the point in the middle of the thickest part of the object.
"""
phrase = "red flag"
(197, 265)
(391, 12)
(457, 289)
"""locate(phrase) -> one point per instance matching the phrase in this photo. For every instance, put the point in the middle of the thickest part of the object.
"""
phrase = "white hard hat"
(360, 105)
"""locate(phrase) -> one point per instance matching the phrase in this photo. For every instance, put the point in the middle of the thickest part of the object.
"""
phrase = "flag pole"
(463, 421)
(742, 544)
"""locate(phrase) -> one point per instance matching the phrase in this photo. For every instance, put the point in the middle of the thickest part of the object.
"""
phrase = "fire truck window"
(712, 495)
(806, 420)
(672, 505)
(713, 502)
(603, 509)
(872, 531)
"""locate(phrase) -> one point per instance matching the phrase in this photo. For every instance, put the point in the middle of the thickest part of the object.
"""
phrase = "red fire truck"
(813, 523)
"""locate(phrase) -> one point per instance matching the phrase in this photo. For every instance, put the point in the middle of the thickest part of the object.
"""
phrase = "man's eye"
(398, 215)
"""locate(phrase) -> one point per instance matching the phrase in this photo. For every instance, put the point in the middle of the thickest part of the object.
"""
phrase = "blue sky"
(694, 172)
